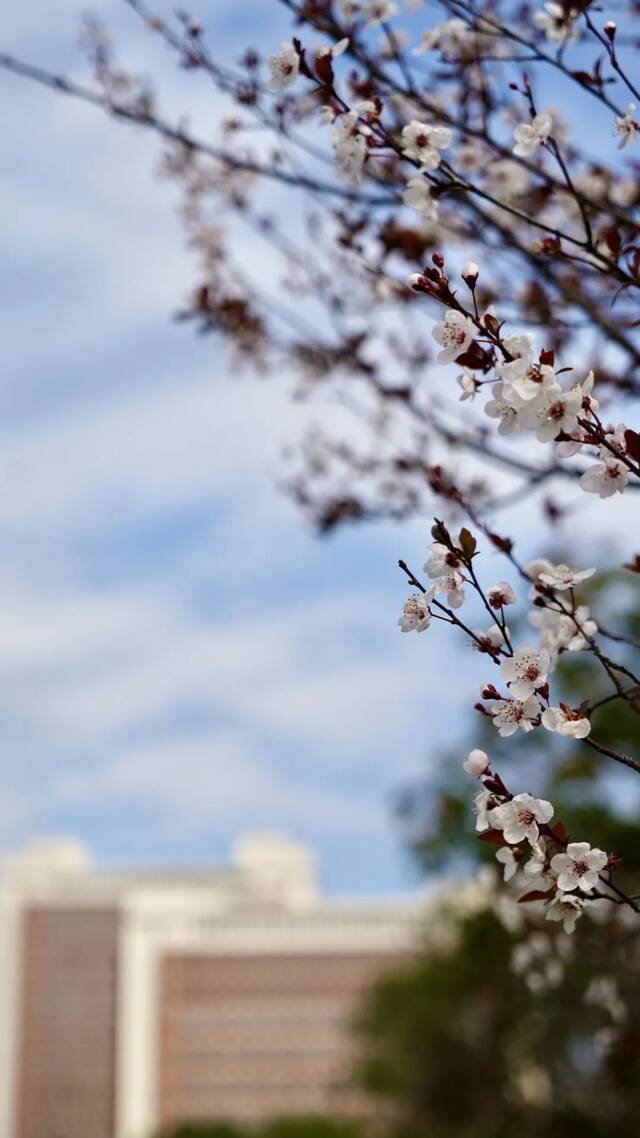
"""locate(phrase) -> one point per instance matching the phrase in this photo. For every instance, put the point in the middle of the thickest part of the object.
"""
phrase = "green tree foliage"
(287, 1126)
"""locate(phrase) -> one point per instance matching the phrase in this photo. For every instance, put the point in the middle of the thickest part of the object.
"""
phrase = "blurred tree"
(287, 1126)
(504, 1025)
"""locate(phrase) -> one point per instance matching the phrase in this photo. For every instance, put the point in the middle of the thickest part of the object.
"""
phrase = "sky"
(181, 659)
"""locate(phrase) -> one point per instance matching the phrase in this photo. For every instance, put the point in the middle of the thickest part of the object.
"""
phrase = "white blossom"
(423, 143)
(284, 67)
(563, 631)
(520, 818)
(418, 196)
(535, 568)
(477, 763)
(537, 380)
(506, 858)
(603, 993)
(585, 390)
(378, 11)
(520, 349)
(416, 616)
(566, 721)
(454, 334)
(499, 408)
(558, 25)
(579, 867)
(627, 127)
(606, 477)
(559, 412)
(491, 639)
(482, 807)
(451, 37)
(507, 179)
(565, 907)
(500, 595)
(453, 585)
(350, 145)
(530, 135)
(468, 386)
(349, 9)
(509, 715)
(560, 577)
(440, 560)
(525, 671)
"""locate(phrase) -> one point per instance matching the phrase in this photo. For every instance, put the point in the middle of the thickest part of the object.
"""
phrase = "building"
(131, 1000)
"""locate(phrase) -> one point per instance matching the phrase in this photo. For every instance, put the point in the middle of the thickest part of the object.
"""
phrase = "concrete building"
(132, 1000)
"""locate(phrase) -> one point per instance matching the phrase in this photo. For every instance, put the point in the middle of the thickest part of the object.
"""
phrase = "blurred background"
(183, 663)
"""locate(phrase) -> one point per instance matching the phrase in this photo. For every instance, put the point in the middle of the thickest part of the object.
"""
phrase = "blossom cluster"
(527, 394)
(563, 880)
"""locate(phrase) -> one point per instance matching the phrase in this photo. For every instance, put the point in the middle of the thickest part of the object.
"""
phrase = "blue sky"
(181, 659)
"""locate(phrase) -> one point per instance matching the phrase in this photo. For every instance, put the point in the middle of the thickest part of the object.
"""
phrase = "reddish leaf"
(493, 836)
(534, 895)
(548, 356)
(632, 439)
(559, 833)
(475, 357)
(324, 69)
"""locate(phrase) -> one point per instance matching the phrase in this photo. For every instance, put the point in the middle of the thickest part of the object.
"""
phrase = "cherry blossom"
(529, 136)
(507, 859)
(378, 11)
(491, 639)
(350, 145)
(560, 631)
(566, 721)
(468, 386)
(499, 408)
(558, 413)
(536, 380)
(453, 585)
(477, 763)
(627, 127)
(520, 818)
(423, 143)
(509, 715)
(525, 671)
(610, 476)
(500, 595)
(349, 9)
(558, 24)
(284, 67)
(507, 179)
(440, 560)
(585, 390)
(560, 577)
(520, 350)
(482, 805)
(454, 333)
(418, 196)
(603, 992)
(565, 907)
(451, 37)
(416, 616)
(579, 867)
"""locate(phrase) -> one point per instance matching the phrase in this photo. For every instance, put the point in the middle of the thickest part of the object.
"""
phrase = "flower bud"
(489, 692)
(470, 274)
(477, 763)
(609, 30)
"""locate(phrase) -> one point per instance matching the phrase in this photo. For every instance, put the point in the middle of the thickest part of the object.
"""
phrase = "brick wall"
(68, 1023)
(251, 1036)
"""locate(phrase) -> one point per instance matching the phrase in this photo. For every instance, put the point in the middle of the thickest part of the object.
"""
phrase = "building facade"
(129, 1001)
